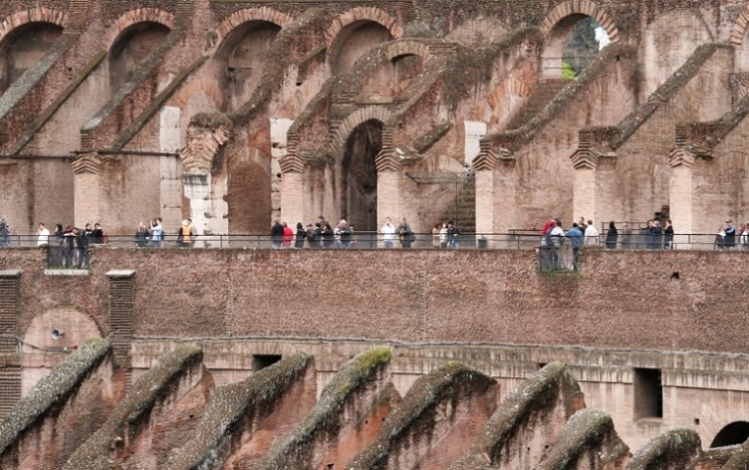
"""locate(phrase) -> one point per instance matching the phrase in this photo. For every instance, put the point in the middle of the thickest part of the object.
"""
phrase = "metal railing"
(371, 240)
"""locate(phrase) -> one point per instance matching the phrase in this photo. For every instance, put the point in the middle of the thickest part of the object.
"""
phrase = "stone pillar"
(495, 194)
(680, 189)
(121, 312)
(10, 371)
(170, 182)
(585, 162)
(87, 189)
(292, 185)
(279, 128)
(389, 175)
(197, 189)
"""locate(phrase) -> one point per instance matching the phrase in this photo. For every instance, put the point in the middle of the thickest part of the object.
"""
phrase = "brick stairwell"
(543, 94)
(183, 15)
(465, 219)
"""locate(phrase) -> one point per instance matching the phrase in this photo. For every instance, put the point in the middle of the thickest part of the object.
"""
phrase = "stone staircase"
(544, 93)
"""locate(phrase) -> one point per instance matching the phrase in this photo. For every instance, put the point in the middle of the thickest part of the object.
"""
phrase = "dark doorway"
(261, 361)
(359, 176)
(734, 433)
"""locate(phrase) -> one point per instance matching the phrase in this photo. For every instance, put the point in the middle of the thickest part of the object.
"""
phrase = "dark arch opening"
(131, 49)
(23, 48)
(359, 176)
(734, 433)
(245, 56)
(353, 41)
(573, 44)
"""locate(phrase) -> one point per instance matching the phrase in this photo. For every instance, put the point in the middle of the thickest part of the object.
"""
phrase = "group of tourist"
(322, 234)
(72, 243)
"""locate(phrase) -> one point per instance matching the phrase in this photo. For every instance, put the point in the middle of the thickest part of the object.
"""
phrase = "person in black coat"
(611, 236)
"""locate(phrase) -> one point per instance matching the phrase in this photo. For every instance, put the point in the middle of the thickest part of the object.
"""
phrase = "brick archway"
(32, 15)
(580, 7)
(739, 29)
(139, 15)
(362, 14)
(407, 47)
(360, 116)
(511, 86)
(251, 14)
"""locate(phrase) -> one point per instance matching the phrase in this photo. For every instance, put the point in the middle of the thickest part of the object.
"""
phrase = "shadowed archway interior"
(734, 433)
(359, 176)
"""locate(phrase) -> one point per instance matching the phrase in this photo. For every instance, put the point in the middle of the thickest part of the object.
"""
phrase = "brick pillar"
(292, 183)
(121, 302)
(495, 192)
(87, 189)
(585, 163)
(10, 360)
(680, 189)
(389, 174)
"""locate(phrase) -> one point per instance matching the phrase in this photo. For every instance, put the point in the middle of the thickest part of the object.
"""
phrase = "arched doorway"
(132, 48)
(573, 44)
(359, 176)
(23, 48)
(353, 41)
(734, 433)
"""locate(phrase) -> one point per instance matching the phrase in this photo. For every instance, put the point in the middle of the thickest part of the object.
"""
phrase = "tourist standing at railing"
(405, 234)
(345, 234)
(744, 237)
(443, 235)
(576, 238)
(81, 244)
(611, 236)
(288, 235)
(301, 234)
(328, 236)
(184, 235)
(68, 246)
(388, 233)
(42, 235)
(657, 235)
(668, 235)
(141, 235)
(729, 240)
(157, 232)
(581, 225)
(97, 235)
(453, 235)
(276, 234)
(591, 234)
(4, 233)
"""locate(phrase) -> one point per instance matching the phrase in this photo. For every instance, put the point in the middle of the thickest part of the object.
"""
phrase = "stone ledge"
(66, 272)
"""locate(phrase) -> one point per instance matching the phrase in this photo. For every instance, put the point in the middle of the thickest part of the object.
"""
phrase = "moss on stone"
(52, 391)
(230, 404)
(211, 120)
(586, 431)
(416, 411)
(151, 389)
(537, 394)
(676, 449)
(326, 419)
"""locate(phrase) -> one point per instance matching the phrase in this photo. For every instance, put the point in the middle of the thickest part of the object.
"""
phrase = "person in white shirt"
(388, 233)
(42, 234)
(591, 234)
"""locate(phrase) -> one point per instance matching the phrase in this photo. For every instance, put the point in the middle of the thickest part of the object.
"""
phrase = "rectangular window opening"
(261, 361)
(648, 393)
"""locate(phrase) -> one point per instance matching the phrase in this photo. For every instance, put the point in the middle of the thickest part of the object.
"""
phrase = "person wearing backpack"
(184, 236)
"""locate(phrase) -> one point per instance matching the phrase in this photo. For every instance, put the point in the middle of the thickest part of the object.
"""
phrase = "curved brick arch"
(739, 29)
(32, 15)
(580, 7)
(511, 86)
(207, 86)
(362, 14)
(133, 17)
(241, 17)
(360, 116)
(407, 47)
